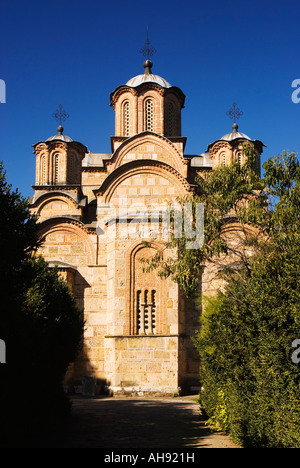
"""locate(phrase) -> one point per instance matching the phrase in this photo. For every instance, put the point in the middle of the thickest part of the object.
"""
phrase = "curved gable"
(150, 146)
(68, 239)
(56, 203)
(127, 174)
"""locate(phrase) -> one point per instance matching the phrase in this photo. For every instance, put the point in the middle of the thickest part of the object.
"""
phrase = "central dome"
(148, 77)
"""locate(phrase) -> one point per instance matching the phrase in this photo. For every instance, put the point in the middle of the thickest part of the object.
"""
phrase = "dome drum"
(147, 102)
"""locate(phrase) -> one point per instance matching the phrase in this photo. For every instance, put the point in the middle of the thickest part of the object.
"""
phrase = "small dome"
(139, 79)
(148, 77)
(234, 135)
(64, 138)
(60, 136)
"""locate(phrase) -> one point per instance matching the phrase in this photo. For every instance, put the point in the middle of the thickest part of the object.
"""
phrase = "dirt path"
(123, 422)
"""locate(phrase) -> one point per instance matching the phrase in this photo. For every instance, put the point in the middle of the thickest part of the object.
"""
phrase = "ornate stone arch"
(50, 194)
(149, 138)
(47, 197)
(146, 293)
(116, 177)
(120, 91)
(220, 154)
(42, 164)
(123, 117)
(72, 226)
(57, 163)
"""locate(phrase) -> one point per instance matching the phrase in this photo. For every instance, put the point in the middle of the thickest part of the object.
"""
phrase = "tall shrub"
(251, 385)
(39, 322)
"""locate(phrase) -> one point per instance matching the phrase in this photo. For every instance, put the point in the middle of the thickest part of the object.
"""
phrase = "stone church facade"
(93, 212)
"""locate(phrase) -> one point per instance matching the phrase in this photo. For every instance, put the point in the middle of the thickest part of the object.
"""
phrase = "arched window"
(43, 169)
(223, 158)
(56, 169)
(146, 295)
(171, 119)
(126, 116)
(71, 171)
(149, 121)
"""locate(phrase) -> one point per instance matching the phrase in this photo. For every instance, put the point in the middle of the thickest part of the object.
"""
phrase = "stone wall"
(143, 364)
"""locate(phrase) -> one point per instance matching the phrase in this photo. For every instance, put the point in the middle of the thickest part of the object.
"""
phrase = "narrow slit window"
(146, 312)
(71, 164)
(43, 171)
(126, 116)
(170, 119)
(149, 115)
(56, 168)
(153, 313)
(138, 310)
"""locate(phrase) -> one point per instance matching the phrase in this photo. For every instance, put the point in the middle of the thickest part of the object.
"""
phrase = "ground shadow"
(129, 423)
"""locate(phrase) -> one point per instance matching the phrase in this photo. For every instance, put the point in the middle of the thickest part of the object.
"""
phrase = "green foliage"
(39, 322)
(228, 193)
(245, 349)
(18, 234)
(282, 184)
(56, 324)
(251, 385)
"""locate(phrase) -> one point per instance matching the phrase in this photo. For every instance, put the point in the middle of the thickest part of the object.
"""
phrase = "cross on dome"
(148, 50)
(60, 115)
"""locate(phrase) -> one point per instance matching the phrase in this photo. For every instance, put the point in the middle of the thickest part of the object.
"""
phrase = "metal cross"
(234, 113)
(147, 50)
(60, 115)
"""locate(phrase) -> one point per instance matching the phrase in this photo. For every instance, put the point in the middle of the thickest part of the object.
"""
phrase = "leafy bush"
(250, 383)
(39, 322)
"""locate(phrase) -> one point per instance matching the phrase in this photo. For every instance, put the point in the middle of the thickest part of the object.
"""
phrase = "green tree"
(229, 194)
(251, 385)
(39, 322)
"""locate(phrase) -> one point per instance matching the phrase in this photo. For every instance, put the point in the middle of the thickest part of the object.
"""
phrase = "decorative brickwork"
(138, 326)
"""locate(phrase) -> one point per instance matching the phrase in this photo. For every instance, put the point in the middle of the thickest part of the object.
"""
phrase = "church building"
(93, 211)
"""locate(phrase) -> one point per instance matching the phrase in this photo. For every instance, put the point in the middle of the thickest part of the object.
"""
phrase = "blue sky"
(76, 52)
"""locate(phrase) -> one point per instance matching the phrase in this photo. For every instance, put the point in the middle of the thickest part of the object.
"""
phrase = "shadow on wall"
(88, 386)
(188, 357)
(80, 378)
